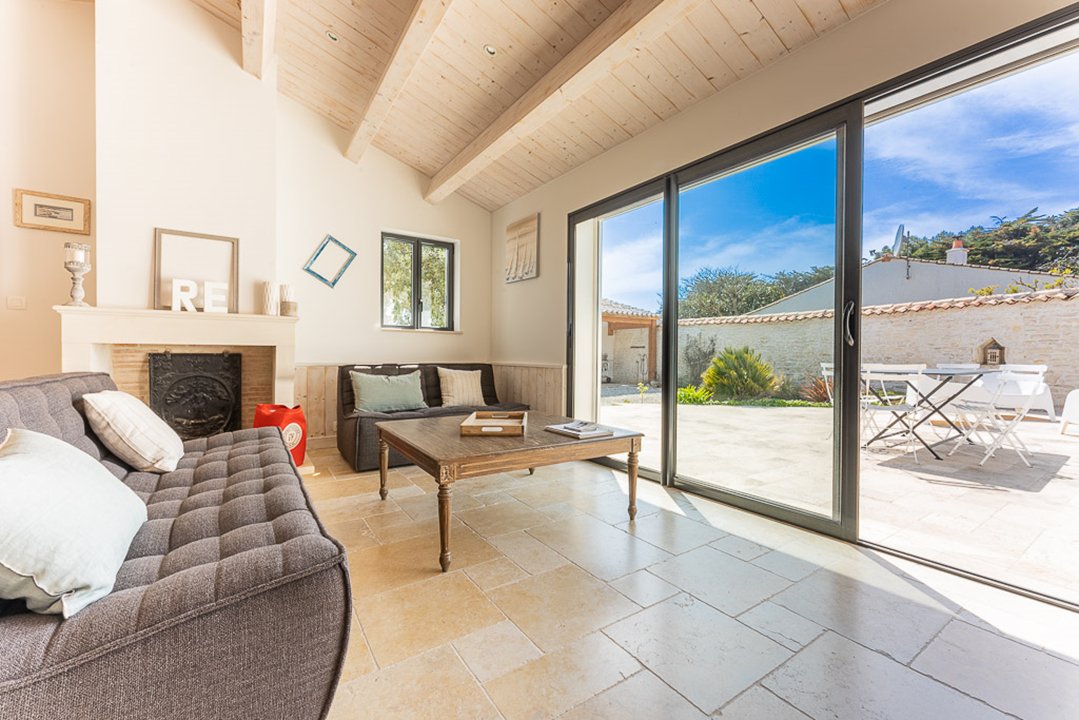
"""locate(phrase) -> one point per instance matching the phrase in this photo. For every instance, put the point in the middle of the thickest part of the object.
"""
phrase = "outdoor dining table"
(943, 376)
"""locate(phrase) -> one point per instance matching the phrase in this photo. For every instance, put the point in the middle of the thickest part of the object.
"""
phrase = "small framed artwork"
(522, 249)
(329, 261)
(45, 211)
(181, 255)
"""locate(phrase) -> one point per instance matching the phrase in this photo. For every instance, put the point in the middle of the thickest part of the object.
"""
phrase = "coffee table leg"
(383, 466)
(445, 557)
(631, 463)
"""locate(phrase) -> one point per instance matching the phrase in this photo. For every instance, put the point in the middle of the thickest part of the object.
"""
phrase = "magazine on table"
(581, 429)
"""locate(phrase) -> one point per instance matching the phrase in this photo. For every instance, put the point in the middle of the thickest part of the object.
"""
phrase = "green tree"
(434, 266)
(713, 292)
(396, 282)
(1049, 243)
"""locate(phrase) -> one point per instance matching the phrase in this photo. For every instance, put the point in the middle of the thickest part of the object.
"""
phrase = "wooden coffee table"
(435, 445)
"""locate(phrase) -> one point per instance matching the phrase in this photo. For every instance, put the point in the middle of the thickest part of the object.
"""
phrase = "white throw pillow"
(133, 432)
(460, 387)
(66, 524)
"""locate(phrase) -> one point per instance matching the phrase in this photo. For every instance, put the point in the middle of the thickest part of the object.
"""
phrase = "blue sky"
(999, 149)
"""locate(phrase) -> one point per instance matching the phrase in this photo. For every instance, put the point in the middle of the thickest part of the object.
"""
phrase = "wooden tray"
(494, 423)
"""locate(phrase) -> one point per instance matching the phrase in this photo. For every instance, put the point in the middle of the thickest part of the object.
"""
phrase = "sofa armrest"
(347, 439)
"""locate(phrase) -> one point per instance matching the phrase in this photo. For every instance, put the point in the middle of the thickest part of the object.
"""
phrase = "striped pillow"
(133, 432)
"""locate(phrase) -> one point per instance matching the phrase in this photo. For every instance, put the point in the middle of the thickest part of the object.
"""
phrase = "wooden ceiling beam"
(258, 25)
(635, 23)
(426, 16)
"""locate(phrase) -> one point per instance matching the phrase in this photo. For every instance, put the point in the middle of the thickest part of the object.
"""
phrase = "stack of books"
(581, 429)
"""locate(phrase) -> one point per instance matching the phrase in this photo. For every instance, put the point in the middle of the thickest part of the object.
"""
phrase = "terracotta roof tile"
(1036, 296)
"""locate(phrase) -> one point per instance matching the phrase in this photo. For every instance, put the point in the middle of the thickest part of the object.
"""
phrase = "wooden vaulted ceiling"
(569, 78)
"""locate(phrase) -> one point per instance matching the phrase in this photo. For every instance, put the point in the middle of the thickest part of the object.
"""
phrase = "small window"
(417, 283)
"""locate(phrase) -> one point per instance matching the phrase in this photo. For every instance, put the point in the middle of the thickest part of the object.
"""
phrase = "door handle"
(848, 323)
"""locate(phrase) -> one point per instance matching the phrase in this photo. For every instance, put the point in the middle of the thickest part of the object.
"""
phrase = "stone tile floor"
(1001, 520)
(557, 607)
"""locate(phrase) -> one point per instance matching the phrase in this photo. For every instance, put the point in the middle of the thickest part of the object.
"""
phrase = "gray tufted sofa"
(233, 601)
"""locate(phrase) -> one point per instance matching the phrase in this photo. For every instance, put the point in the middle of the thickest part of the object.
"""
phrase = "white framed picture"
(45, 211)
(196, 257)
(522, 249)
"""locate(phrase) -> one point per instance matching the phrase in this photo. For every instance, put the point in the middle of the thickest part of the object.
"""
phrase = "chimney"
(958, 254)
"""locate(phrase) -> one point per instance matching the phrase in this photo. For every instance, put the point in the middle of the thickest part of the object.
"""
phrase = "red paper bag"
(293, 426)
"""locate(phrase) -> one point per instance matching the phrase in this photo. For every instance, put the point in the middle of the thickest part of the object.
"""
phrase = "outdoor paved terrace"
(1002, 520)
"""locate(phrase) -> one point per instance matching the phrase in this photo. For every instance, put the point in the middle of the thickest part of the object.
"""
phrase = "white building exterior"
(893, 279)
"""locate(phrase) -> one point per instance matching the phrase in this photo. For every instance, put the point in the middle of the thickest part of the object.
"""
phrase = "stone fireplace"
(120, 341)
(197, 394)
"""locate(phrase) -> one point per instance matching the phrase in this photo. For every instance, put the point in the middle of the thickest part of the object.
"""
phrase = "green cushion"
(387, 393)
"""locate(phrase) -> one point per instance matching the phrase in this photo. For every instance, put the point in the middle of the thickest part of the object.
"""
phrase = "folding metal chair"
(993, 426)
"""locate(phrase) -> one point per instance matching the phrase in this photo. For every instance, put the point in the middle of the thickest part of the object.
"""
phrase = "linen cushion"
(66, 524)
(387, 393)
(133, 432)
(460, 387)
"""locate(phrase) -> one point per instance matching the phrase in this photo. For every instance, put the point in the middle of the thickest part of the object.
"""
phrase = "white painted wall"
(889, 40)
(320, 192)
(47, 136)
(185, 140)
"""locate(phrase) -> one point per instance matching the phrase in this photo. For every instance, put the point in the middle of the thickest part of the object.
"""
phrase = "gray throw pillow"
(387, 393)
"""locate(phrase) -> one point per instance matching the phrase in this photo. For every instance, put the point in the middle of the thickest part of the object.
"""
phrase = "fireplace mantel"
(87, 335)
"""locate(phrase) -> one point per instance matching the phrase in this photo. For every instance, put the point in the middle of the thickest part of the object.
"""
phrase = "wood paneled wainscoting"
(316, 391)
(543, 387)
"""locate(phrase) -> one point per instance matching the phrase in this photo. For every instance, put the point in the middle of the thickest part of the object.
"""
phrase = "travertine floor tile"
(384, 567)
(496, 650)
(836, 678)
(552, 684)
(786, 565)
(353, 534)
(700, 652)
(432, 686)
(1007, 675)
(527, 552)
(644, 588)
(790, 630)
(408, 528)
(502, 518)
(600, 549)
(495, 572)
(722, 581)
(561, 605)
(407, 621)
(358, 659)
(641, 696)
(673, 533)
(892, 615)
(758, 703)
(739, 547)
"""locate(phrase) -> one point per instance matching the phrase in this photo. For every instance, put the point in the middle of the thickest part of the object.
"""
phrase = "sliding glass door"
(765, 323)
(756, 327)
(687, 322)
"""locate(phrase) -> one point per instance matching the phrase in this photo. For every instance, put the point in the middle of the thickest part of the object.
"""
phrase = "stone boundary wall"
(1043, 332)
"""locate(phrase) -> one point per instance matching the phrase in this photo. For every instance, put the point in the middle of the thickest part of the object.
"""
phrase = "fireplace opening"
(197, 394)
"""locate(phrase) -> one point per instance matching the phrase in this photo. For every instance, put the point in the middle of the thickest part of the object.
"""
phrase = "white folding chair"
(1044, 401)
(827, 371)
(993, 425)
(901, 412)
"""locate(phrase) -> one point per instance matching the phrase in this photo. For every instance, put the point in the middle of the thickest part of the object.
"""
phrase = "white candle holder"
(76, 262)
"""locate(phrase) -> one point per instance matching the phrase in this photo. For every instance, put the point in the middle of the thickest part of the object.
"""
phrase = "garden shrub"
(739, 374)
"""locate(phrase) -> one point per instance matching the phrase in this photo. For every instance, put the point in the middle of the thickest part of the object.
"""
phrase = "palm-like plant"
(739, 374)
